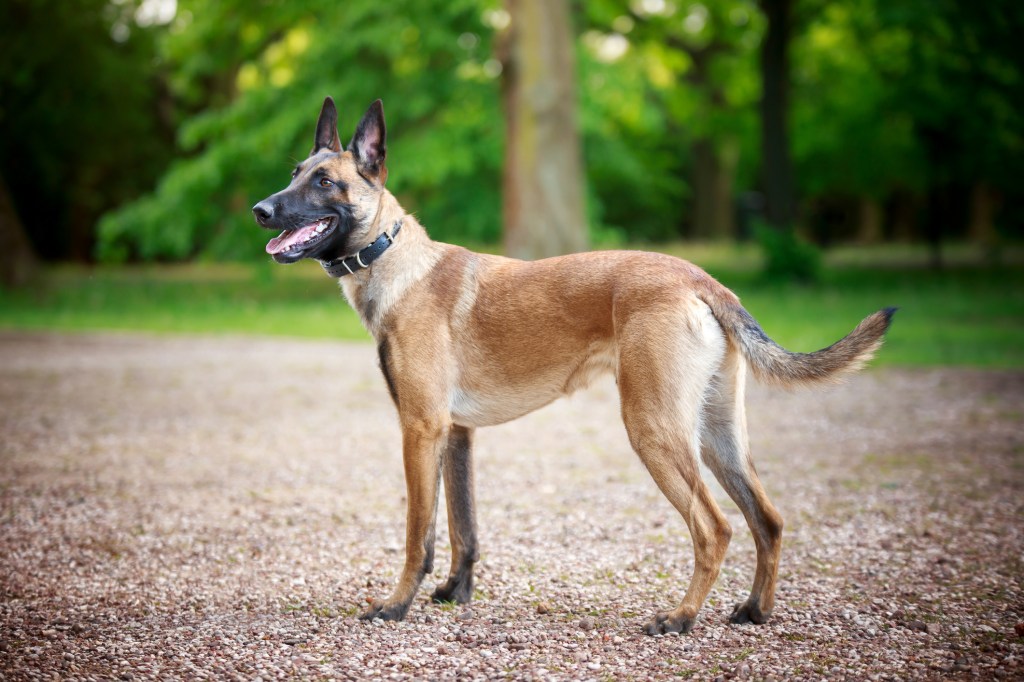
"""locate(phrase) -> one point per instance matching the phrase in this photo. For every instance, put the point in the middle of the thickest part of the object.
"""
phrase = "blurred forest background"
(142, 131)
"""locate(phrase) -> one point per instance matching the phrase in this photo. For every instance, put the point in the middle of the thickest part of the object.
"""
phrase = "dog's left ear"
(327, 129)
(367, 143)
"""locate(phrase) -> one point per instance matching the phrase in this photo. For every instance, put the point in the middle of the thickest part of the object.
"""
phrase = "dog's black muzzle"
(308, 231)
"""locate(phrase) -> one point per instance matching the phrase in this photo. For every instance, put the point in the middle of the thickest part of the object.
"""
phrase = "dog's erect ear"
(327, 129)
(367, 144)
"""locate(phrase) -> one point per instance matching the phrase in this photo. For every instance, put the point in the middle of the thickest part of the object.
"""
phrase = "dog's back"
(569, 304)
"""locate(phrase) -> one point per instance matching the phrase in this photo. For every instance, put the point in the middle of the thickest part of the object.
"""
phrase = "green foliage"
(688, 74)
(787, 256)
(847, 139)
(961, 81)
(915, 96)
(624, 150)
(425, 59)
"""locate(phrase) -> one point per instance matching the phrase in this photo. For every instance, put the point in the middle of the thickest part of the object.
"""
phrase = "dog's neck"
(373, 292)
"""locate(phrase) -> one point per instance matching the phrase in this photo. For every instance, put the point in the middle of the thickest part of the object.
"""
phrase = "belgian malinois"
(468, 340)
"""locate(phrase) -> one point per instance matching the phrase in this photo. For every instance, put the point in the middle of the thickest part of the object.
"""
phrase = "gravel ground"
(222, 509)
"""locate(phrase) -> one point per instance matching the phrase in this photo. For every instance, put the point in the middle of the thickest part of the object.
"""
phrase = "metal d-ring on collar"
(339, 267)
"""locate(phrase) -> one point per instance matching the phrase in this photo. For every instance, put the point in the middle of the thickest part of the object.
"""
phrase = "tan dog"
(468, 340)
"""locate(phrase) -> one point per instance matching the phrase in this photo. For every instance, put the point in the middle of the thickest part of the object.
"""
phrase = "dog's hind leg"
(675, 470)
(663, 377)
(726, 451)
(458, 491)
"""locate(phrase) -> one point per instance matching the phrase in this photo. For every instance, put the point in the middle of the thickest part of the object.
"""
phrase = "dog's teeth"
(320, 228)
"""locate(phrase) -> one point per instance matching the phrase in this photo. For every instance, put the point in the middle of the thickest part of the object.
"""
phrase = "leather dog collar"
(339, 267)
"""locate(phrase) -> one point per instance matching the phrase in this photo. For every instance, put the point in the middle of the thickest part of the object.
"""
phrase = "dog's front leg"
(423, 441)
(458, 491)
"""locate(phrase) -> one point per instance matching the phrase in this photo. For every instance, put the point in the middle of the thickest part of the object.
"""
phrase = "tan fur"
(469, 340)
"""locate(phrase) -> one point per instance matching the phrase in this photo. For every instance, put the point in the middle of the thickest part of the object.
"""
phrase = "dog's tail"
(772, 364)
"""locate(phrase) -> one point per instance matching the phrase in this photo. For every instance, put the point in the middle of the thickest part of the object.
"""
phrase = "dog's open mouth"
(305, 236)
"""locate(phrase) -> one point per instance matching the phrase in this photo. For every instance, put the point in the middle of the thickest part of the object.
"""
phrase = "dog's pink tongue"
(286, 239)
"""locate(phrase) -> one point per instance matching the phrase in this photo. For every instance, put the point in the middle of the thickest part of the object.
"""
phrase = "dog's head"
(329, 207)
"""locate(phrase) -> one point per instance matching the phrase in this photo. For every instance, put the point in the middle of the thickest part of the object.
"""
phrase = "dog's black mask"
(311, 226)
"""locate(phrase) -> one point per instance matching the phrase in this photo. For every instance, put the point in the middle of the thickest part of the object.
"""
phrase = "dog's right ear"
(327, 129)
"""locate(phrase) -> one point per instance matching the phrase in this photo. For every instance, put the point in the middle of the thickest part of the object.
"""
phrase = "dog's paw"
(749, 612)
(454, 591)
(385, 611)
(665, 623)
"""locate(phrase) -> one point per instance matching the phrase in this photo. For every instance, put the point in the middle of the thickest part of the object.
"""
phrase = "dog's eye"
(295, 171)
(324, 182)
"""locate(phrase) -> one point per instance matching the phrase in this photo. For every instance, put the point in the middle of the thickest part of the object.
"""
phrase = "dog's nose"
(263, 211)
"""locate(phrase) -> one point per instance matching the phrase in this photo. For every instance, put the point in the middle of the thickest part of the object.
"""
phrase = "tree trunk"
(904, 208)
(776, 164)
(17, 259)
(939, 213)
(984, 204)
(543, 181)
(869, 221)
(714, 172)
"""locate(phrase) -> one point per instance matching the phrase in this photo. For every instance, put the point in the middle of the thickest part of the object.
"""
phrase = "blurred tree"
(80, 113)
(17, 260)
(776, 163)
(700, 66)
(852, 149)
(962, 84)
(636, 183)
(543, 180)
(905, 107)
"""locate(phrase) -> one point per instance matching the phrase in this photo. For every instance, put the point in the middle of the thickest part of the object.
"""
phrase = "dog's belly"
(476, 408)
(490, 403)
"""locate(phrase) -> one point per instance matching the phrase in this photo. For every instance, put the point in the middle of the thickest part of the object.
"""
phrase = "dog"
(468, 340)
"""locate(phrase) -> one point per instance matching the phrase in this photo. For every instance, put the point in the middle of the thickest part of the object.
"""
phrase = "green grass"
(966, 315)
(296, 301)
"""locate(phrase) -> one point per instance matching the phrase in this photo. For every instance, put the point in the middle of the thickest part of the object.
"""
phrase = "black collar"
(339, 267)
